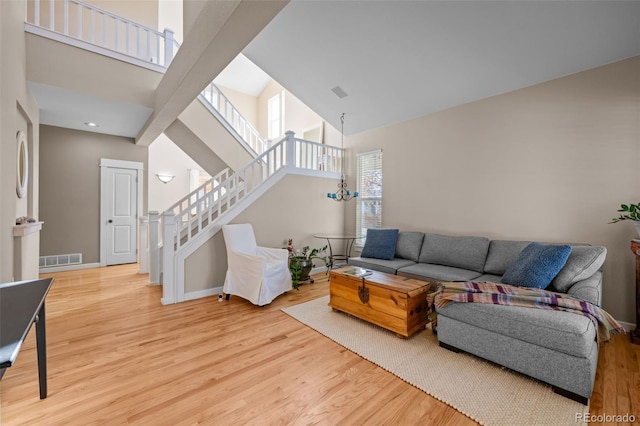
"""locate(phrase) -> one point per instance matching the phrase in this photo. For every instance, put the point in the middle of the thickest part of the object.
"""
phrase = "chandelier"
(342, 194)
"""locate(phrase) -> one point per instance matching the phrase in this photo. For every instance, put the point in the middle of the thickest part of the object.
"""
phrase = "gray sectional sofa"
(556, 347)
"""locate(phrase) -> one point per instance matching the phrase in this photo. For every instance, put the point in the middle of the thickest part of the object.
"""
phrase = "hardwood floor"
(117, 356)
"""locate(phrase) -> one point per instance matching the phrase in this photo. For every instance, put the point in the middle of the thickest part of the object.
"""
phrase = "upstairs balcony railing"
(113, 35)
(90, 24)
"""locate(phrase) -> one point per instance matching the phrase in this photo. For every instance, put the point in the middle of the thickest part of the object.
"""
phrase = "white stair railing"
(202, 210)
(188, 211)
(233, 120)
(186, 208)
(90, 24)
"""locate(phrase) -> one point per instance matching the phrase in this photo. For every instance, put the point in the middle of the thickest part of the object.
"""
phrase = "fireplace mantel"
(26, 228)
(26, 251)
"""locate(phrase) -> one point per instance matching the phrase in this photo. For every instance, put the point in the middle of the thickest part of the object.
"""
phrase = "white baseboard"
(69, 267)
(202, 293)
(627, 325)
(318, 270)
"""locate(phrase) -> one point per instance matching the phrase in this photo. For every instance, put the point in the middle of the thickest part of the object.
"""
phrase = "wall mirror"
(22, 166)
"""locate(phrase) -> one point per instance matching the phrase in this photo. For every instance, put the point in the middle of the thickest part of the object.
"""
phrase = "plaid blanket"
(503, 294)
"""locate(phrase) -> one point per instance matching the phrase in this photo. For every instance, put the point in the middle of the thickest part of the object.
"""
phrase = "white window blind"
(369, 185)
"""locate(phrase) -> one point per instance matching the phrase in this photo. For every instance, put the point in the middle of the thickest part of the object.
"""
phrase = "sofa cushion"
(438, 272)
(409, 245)
(459, 252)
(380, 243)
(489, 278)
(561, 331)
(589, 289)
(537, 265)
(583, 262)
(502, 254)
(388, 266)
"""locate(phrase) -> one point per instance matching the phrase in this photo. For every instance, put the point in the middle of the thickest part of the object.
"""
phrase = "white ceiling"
(243, 76)
(398, 60)
(71, 110)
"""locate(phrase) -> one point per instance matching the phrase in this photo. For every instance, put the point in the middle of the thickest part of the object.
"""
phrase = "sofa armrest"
(589, 290)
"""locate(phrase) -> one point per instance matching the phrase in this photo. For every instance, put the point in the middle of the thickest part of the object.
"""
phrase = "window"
(369, 185)
(275, 116)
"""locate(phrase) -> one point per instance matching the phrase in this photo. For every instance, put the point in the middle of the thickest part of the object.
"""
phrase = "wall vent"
(339, 92)
(60, 260)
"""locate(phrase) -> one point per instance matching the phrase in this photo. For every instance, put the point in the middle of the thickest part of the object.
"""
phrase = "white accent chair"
(258, 274)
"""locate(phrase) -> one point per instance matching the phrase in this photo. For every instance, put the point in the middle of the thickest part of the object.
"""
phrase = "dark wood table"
(22, 304)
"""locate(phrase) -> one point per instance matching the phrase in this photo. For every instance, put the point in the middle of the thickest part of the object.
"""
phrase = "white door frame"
(105, 164)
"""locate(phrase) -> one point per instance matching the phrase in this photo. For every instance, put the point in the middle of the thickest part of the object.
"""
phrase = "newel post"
(168, 46)
(154, 251)
(291, 148)
(168, 254)
(143, 245)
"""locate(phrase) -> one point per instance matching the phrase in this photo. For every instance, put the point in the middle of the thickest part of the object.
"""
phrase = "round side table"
(347, 238)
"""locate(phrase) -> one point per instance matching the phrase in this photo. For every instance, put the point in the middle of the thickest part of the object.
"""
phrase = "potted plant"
(629, 212)
(301, 262)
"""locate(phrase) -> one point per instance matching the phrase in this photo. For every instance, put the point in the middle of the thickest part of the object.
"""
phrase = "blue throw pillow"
(380, 243)
(537, 265)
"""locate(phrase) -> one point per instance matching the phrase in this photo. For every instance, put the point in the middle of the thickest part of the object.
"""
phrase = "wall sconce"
(164, 178)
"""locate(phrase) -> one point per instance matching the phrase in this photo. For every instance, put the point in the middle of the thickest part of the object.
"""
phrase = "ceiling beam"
(221, 30)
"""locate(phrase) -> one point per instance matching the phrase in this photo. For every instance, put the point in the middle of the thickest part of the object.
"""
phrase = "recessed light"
(91, 124)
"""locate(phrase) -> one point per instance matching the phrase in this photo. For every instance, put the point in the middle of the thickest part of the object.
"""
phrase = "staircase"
(220, 106)
(169, 238)
(202, 213)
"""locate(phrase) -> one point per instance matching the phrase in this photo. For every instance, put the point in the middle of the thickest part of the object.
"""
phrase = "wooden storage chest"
(393, 302)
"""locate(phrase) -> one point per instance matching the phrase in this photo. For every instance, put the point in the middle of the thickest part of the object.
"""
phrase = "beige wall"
(101, 28)
(297, 116)
(246, 104)
(144, 12)
(78, 70)
(70, 187)
(166, 157)
(209, 132)
(296, 207)
(18, 111)
(550, 162)
(271, 89)
(190, 11)
(170, 16)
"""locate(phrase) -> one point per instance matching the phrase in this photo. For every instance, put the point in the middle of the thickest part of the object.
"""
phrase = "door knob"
(110, 221)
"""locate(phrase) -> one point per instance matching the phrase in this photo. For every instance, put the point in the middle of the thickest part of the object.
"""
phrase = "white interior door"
(121, 208)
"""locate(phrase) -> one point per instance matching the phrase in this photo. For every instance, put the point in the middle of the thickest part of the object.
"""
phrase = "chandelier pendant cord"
(342, 194)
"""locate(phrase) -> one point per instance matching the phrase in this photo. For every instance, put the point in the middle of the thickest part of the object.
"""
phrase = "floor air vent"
(60, 260)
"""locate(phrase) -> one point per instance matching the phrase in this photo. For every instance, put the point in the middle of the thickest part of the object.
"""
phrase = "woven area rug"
(483, 391)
